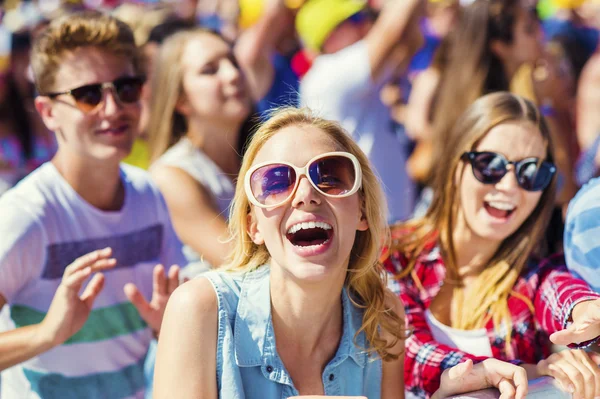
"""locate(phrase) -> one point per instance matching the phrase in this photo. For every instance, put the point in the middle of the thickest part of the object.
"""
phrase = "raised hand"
(585, 326)
(69, 311)
(576, 371)
(162, 287)
(511, 380)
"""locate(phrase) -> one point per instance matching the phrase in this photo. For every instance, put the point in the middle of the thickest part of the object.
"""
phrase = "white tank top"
(218, 184)
(475, 342)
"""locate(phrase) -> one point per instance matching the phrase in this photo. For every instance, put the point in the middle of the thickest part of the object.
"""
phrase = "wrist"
(42, 339)
(579, 309)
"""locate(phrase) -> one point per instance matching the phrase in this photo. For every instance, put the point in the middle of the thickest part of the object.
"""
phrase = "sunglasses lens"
(87, 97)
(535, 177)
(334, 175)
(271, 185)
(129, 90)
(488, 168)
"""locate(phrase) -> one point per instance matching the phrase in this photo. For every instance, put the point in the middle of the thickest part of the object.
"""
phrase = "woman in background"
(469, 273)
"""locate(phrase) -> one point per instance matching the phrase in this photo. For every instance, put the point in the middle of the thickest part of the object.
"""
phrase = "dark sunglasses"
(490, 167)
(128, 90)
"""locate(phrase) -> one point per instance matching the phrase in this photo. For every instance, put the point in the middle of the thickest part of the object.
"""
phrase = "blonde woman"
(466, 271)
(301, 307)
(199, 110)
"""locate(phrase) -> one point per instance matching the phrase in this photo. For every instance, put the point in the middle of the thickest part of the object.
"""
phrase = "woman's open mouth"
(309, 234)
(499, 210)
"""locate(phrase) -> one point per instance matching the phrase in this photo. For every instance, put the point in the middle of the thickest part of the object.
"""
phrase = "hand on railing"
(575, 371)
(509, 379)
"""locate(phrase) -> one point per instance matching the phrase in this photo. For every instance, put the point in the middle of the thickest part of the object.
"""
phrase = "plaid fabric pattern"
(552, 290)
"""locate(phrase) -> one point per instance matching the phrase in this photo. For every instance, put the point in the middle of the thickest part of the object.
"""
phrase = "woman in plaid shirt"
(465, 271)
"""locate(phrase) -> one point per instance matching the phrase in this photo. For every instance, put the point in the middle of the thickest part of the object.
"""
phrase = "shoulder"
(23, 210)
(170, 177)
(586, 203)
(582, 227)
(195, 299)
(139, 179)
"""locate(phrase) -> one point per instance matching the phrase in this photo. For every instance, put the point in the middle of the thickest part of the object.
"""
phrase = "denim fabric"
(248, 365)
(582, 234)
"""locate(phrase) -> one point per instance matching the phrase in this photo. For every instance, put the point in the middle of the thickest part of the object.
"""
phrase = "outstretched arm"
(395, 34)
(67, 314)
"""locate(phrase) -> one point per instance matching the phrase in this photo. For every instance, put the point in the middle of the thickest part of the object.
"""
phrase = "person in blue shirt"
(301, 308)
(582, 234)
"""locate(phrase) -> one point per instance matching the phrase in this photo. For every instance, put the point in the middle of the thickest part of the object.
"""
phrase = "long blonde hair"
(365, 279)
(488, 297)
(166, 126)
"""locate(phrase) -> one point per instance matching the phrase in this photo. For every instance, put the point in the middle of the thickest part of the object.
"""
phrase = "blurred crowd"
(396, 78)
(290, 52)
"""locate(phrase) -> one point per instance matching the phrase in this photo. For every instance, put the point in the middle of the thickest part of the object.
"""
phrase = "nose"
(508, 183)
(111, 104)
(230, 72)
(305, 195)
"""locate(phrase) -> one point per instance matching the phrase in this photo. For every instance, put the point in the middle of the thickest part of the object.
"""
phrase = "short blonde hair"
(70, 32)
(365, 279)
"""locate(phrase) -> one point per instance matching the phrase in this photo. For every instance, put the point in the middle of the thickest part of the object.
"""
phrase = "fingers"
(575, 371)
(520, 382)
(506, 388)
(173, 279)
(96, 261)
(137, 299)
(567, 336)
(92, 290)
(562, 378)
(594, 357)
(591, 375)
(159, 282)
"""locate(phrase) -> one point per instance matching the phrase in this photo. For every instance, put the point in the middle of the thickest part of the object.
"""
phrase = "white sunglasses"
(332, 174)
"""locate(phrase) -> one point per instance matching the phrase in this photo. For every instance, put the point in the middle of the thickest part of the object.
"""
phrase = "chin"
(114, 154)
(310, 273)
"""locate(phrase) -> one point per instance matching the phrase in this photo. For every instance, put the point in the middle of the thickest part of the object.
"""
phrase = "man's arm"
(395, 35)
(256, 46)
(67, 314)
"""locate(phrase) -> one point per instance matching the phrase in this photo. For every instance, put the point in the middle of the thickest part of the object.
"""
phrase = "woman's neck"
(472, 251)
(306, 317)
(219, 141)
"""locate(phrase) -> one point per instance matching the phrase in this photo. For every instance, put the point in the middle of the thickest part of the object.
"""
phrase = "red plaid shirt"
(553, 291)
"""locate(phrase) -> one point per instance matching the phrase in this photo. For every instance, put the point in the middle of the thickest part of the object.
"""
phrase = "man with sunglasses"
(77, 332)
(355, 58)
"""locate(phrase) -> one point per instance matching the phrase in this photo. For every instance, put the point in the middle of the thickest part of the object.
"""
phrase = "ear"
(45, 107)
(182, 105)
(253, 230)
(363, 223)
(500, 49)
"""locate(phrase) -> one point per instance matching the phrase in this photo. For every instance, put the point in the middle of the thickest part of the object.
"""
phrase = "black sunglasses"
(490, 167)
(87, 98)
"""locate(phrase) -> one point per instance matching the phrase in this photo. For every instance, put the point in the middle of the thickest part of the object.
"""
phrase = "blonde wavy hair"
(488, 297)
(365, 279)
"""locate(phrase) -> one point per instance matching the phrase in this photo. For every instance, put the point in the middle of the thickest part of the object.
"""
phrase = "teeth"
(503, 206)
(308, 225)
